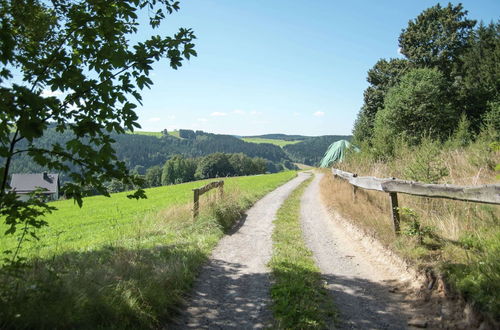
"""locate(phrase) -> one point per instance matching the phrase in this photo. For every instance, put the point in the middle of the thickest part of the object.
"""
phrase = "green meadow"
(121, 263)
(280, 143)
(157, 134)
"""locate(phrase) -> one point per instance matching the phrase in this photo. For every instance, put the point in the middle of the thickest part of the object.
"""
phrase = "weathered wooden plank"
(365, 182)
(209, 186)
(489, 194)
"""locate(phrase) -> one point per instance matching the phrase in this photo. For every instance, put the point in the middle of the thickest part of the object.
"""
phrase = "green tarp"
(336, 153)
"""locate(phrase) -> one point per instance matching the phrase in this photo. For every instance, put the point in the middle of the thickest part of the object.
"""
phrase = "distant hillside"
(312, 150)
(146, 149)
(143, 150)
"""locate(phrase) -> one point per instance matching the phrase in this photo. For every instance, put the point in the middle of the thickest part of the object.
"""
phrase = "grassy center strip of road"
(131, 269)
(300, 299)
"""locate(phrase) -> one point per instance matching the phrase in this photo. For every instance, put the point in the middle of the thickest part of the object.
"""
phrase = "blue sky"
(279, 66)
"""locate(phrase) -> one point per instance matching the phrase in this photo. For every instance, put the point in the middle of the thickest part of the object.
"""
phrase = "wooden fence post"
(394, 212)
(196, 203)
(221, 190)
(354, 190)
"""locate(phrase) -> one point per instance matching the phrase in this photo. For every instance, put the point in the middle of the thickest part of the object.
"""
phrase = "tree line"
(179, 169)
(447, 82)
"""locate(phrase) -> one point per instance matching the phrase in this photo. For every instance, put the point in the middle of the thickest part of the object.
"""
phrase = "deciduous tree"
(72, 64)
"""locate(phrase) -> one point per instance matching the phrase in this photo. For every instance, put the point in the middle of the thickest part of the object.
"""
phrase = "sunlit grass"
(300, 300)
(280, 143)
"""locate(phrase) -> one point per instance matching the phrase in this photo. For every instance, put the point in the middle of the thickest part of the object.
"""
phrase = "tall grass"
(126, 269)
(458, 239)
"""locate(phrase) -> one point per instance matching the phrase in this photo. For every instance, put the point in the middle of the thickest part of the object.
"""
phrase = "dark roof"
(24, 183)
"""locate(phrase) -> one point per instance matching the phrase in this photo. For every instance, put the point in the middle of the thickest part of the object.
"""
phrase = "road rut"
(360, 285)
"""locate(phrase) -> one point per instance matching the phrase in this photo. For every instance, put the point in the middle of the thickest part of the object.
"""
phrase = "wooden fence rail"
(488, 193)
(197, 192)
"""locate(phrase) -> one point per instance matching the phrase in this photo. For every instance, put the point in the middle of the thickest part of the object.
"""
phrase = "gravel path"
(232, 291)
(360, 285)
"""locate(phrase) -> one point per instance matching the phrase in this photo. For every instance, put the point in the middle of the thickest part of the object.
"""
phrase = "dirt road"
(232, 291)
(359, 284)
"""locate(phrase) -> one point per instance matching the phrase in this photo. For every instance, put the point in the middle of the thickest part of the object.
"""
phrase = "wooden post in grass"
(196, 203)
(200, 191)
(354, 190)
(394, 212)
(221, 190)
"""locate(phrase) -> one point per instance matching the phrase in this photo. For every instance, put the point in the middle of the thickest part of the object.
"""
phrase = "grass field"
(157, 134)
(120, 263)
(300, 299)
(280, 143)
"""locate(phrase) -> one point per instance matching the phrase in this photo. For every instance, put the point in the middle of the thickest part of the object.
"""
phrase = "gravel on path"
(361, 285)
(232, 291)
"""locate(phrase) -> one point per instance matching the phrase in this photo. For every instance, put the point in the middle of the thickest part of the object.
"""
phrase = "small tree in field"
(82, 52)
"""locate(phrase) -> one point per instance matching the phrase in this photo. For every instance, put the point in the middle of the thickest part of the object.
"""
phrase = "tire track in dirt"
(360, 285)
(232, 291)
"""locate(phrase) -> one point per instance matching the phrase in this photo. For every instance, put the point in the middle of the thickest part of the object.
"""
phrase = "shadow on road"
(233, 303)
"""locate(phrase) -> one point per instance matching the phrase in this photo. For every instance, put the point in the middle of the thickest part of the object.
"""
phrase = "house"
(24, 184)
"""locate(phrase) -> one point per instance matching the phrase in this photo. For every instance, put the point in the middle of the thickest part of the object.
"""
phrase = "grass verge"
(300, 300)
(133, 276)
(455, 239)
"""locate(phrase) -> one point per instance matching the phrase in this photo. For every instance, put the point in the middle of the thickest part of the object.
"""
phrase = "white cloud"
(399, 51)
(154, 119)
(295, 114)
(255, 113)
(218, 114)
(319, 114)
(49, 93)
(202, 120)
(239, 112)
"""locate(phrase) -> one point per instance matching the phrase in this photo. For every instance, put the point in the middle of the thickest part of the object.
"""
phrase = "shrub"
(418, 106)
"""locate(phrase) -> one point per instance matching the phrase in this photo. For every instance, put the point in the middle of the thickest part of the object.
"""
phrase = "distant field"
(280, 143)
(157, 134)
(174, 133)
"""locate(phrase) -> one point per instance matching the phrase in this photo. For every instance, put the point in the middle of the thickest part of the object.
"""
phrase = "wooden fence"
(489, 193)
(197, 192)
